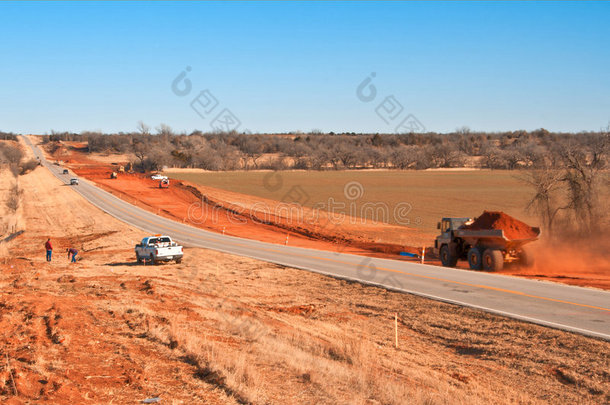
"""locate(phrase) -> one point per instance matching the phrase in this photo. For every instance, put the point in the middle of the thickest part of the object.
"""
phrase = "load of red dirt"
(513, 228)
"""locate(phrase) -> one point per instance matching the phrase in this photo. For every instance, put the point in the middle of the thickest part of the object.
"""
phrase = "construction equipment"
(164, 183)
(488, 249)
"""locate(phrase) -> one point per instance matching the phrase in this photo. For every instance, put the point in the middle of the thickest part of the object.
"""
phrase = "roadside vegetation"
(330, 151)
(12, 165)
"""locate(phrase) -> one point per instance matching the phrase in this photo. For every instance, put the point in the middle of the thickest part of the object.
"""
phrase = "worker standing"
(73, 252)
(49, 249)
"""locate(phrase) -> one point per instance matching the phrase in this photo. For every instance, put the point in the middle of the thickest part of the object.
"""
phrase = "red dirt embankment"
(513, 228)
(237, 214)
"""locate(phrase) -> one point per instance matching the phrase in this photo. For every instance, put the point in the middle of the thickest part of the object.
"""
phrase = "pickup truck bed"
(155, 249)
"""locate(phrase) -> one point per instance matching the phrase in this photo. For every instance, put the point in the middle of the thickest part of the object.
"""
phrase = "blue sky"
(296, 66)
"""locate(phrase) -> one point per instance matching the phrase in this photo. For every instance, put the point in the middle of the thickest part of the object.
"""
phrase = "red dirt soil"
(513, 228)
(232, 213)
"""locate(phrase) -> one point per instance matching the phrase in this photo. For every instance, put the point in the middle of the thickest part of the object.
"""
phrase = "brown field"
(431, 194)
(222, 329)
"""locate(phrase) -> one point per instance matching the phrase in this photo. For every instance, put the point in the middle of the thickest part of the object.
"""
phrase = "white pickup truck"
(155, 249)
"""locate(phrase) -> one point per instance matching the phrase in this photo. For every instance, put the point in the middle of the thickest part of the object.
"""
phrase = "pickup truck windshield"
(153, 241)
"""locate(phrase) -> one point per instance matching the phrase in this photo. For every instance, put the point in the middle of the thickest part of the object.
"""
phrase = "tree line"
(322, 151)
(568, 172)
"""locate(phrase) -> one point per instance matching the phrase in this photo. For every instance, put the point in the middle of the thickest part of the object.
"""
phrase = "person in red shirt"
(49, 249)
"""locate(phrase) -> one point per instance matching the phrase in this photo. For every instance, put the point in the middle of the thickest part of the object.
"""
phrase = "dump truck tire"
(474, 259)
(526, 258)
(448, 256)
(493, 260)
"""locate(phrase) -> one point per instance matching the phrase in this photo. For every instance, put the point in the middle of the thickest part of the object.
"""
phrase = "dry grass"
(263, 346)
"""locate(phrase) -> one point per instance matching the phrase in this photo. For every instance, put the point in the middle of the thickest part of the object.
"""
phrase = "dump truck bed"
(494, 237)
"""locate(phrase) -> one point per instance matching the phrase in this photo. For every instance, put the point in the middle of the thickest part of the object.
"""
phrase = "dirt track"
(222, 329)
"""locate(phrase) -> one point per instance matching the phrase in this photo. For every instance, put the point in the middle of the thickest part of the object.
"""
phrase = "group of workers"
(49, 248)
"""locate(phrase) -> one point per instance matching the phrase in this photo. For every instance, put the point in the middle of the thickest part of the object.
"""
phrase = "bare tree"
(141, 150)
(545, 201)
(14, 199)
(584, 178)
(143, 128)
(11, 156)
(253, 149)
(445, 155)
(572, 183)
(347, 154)
(405, 157)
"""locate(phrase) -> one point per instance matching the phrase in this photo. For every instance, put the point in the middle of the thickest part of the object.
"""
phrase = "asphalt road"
(576, 309)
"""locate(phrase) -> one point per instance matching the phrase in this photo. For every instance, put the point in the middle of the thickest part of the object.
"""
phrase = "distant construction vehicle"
(113, 175)
(164, 183)
(488, 242)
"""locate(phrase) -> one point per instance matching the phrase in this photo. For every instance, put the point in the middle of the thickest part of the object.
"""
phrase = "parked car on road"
(66, 171)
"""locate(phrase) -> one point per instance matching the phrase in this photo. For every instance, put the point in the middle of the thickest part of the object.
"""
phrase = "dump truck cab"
(446, 245)
(447, 225)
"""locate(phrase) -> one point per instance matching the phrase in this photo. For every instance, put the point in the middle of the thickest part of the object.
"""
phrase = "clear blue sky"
(296, 66)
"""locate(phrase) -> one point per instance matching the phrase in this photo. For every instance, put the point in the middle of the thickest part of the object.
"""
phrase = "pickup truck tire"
(493, 260)
(474, 259)
(178, 261)
(152, 260)
(139, 259)
(448, 256)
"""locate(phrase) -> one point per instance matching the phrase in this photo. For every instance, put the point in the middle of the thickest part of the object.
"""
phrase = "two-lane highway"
(581, 310)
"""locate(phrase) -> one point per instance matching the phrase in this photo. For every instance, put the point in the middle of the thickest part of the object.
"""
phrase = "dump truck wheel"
(474, 259)
(448, 256)
(493, 260)
(526, 258)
